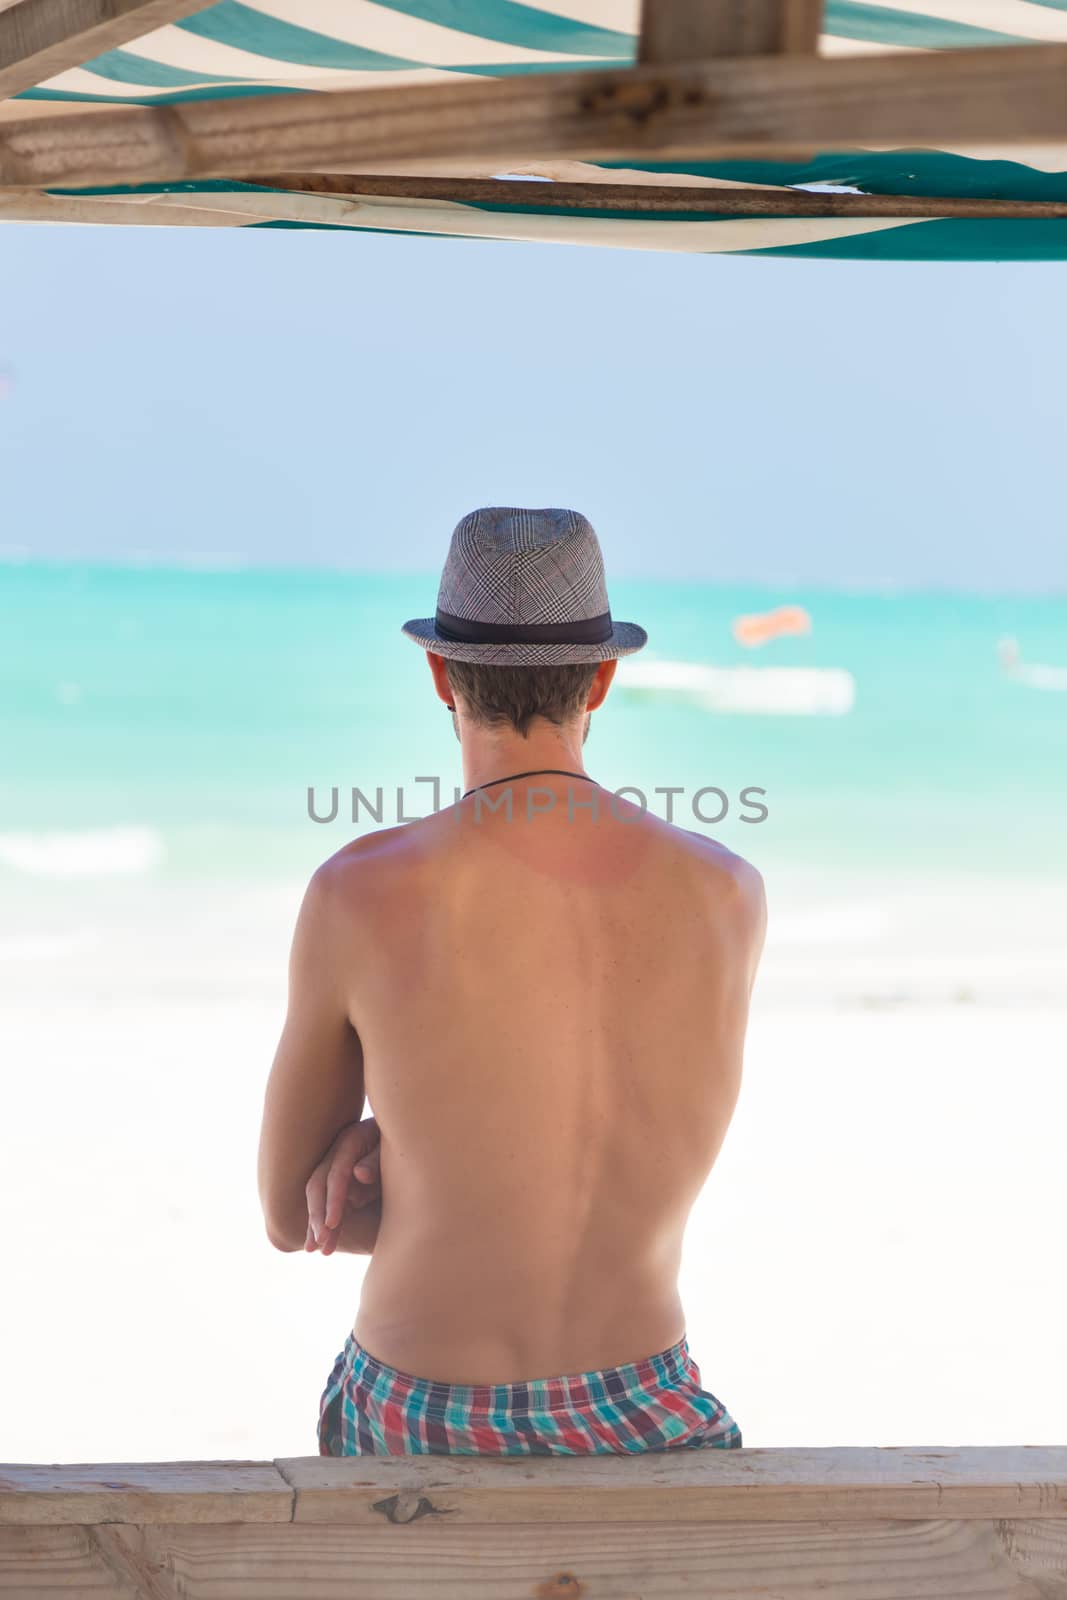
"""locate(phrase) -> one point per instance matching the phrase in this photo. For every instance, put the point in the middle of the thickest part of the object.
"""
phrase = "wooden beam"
(39, 38)
(659, 199)
(692, 30)
(144, 1492)
(844, 1484)
(795, 1484)
(757, 107)
(248, 206)
(853, 1522)
(430, 1559)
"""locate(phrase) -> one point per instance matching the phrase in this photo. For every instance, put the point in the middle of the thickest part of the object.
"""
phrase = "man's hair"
(495, 694)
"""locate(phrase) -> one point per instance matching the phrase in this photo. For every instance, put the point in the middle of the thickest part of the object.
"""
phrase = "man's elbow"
(285, 1242)
(282, 1233)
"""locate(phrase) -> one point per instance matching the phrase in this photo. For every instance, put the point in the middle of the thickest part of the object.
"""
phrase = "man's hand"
(348, 1176)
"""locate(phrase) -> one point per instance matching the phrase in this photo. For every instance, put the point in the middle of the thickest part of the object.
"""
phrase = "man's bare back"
(552, 1012)
(546, 1007)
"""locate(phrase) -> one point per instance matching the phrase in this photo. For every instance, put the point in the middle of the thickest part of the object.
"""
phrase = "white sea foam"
(849, 921)
(188, 560)
(95, 852)
(48, 946)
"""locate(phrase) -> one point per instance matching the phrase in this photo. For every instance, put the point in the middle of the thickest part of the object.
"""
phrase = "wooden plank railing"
(856, 1524)
(742, 107)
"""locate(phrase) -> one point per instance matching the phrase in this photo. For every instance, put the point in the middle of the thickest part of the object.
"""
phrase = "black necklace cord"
(537, 772)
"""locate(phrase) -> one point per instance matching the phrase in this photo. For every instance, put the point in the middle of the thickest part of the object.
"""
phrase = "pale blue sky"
(342, 399)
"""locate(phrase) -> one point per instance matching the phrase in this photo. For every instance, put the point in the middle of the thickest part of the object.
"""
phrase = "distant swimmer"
(758, 628)
(1036, 676)
(1009, 653)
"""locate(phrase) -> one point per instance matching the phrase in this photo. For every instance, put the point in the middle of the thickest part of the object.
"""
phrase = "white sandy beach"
(876, 1259)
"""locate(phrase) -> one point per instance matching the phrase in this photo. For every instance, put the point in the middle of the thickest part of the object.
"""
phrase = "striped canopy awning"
(958, 201)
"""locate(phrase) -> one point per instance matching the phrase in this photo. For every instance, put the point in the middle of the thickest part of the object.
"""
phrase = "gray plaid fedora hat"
(524, 588)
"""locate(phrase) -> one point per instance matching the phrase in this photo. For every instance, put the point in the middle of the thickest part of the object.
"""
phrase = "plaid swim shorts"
(369, 1409)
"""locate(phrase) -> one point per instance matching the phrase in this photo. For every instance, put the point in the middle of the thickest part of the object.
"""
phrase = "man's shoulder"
(362, 857)
(353, 871)
(733, 882)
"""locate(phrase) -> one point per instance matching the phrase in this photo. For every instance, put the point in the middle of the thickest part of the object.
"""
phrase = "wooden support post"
(691, 30)
(39, 38)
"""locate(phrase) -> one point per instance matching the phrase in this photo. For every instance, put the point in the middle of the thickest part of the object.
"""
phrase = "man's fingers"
(336, 1190)
(330, 1189)
(315, 1194)
(368, 1181)
(368, 1169)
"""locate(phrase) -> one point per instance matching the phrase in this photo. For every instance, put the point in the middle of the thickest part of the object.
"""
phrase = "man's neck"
(490, 753)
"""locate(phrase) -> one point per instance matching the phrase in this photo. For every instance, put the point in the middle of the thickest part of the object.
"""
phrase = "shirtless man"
(544, 992)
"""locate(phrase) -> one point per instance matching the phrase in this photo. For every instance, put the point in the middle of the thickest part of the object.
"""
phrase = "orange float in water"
(765, 625)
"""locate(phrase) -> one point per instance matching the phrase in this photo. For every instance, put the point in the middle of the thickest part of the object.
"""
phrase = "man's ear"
(439, 670)
(601, 684)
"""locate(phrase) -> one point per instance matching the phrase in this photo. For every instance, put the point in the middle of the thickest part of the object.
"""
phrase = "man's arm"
(755, 919)
(316, 1083)
(359, 1230)
(749, 900)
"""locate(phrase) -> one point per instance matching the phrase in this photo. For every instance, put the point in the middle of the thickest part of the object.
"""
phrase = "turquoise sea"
(169, 722)
(904, 1080)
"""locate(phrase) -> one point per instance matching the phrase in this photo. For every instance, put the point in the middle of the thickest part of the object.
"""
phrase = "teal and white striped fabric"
(243, 47)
